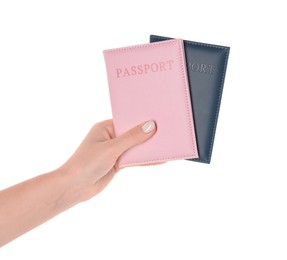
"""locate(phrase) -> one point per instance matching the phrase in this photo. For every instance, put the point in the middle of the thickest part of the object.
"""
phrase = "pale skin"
(86, 173)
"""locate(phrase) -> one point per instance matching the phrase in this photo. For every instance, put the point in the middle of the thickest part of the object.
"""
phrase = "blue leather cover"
(206, 64)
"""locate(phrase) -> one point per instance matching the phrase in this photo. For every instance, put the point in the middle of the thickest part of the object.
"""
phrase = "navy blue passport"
(206, 64)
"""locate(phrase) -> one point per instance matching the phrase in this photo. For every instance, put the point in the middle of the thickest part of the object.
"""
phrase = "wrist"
(76, 189)
(71, 186)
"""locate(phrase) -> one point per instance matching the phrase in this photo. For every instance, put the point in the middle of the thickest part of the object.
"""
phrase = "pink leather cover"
(147, 82)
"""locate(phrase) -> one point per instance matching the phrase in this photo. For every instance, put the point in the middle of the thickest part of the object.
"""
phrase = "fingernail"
(148, 126)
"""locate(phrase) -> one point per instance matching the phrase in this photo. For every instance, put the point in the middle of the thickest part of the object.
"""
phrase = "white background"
(53, 88)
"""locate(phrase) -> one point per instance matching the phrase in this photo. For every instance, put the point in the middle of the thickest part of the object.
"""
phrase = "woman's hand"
(95, 162)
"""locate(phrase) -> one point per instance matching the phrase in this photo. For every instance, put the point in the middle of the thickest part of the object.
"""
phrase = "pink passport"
(149, 82)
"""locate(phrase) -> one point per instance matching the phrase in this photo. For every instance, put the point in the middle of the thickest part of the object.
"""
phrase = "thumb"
(134, 136)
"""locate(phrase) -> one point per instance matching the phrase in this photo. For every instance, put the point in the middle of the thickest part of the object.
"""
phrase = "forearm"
(31, 203)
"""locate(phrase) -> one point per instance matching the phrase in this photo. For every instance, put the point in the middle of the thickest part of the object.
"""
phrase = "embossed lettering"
(212, 68)
(195, 67)
(202, 68)
(140, 70)
(119, 71)
(162, 66)
(133, 70)
(154, 67)
(170, 63)
(144, 69)
(126, 72)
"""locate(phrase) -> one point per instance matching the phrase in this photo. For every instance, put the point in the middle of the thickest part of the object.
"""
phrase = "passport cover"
(149, 82)
(206, 64)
